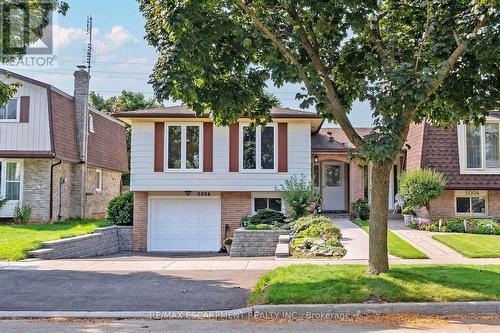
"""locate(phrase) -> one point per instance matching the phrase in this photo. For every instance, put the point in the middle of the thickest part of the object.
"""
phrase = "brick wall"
(36, 190)
(97, 201)
(445, 204)
(356, 182)
(140, 221)
(65, 192)
(234, 205)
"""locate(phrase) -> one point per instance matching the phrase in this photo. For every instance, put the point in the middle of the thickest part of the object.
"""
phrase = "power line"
(108, 62)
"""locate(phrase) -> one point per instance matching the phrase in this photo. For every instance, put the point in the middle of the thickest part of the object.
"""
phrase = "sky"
(121, 58)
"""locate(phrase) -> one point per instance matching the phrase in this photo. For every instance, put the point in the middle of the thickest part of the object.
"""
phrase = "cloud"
(65, 36)
(113, 40)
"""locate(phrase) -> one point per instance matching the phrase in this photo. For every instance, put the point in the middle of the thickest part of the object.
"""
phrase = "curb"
(292, 311)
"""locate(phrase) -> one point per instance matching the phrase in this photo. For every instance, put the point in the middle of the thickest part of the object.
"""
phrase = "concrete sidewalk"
(354, 239)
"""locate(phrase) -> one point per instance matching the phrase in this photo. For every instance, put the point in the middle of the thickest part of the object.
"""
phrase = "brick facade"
(97, 201)
(140, 221)
(36, 188)
(445, 204)
(234, 205)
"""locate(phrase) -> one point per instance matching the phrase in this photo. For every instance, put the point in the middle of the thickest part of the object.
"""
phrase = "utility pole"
(89, 46)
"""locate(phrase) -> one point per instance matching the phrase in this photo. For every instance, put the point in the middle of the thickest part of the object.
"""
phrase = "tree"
(14, 14)
(411, 60)
(419, 187)
(126, 101)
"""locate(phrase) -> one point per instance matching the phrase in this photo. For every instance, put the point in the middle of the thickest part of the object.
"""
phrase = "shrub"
(22, 213)
(322, 230)
(361, 208)
(298, 194)
(265, 216)
(260, 227)
(306, 221)
(454, 226)
(409, 211)
(228, 241)
(121, 209)
(3, 201)
(420, 186)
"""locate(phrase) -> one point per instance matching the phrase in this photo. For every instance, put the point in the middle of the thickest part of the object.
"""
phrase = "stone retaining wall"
(255, 243)
(104, 241)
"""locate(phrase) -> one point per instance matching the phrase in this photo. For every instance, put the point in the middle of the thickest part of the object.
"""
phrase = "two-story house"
(57, 155)
(469, 158)
(193, 181)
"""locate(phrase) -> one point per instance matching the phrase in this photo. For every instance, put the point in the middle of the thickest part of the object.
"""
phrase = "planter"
(408, 219)
(255, 243)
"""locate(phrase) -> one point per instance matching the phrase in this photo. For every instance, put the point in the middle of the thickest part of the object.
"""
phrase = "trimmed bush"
(454, 226)
(260, 227)
(321, 230)
(361, 208)
(121, 209)
(298, 194)
(264, 216)
(420, 186)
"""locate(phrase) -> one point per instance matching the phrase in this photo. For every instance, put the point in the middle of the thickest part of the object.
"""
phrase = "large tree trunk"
(378, 261)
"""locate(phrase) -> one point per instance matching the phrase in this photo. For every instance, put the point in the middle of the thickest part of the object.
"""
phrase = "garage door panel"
(184, 224)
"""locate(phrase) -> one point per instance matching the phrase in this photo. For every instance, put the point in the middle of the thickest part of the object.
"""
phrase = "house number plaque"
(203, 194)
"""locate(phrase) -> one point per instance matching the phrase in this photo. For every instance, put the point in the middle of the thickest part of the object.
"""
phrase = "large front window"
(183, 147)
(10, 180)
(471, 202)
(258, 148)
(10, 111)
(483, 146)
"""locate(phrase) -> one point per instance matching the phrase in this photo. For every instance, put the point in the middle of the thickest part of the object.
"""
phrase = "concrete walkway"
(423, 241)
(354, 239)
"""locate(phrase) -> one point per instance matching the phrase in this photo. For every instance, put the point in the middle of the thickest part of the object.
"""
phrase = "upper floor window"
(10, 111)
(257, 149)
(91, 124)
(183, 147)
(483, 146)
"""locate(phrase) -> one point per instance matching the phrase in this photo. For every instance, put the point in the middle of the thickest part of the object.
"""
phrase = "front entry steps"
(283, 247)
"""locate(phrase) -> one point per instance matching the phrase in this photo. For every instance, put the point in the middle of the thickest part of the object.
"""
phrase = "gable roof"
(334, 139)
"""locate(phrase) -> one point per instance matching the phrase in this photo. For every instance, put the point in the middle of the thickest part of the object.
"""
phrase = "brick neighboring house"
(58, 155)
(193, 181)
(469, 158)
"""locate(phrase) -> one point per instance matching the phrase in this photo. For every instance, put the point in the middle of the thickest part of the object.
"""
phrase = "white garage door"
(184, 224)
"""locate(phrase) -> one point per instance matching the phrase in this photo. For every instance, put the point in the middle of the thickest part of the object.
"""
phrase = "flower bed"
(459, 225)
(316, 236)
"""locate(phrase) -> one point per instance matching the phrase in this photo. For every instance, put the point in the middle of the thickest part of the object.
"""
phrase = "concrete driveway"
(73, 290)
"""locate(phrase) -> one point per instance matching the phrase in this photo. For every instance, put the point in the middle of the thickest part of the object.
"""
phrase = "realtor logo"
(27, 33)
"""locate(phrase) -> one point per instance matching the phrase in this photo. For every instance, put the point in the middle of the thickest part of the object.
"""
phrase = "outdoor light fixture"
(315, 158)
(188, 193)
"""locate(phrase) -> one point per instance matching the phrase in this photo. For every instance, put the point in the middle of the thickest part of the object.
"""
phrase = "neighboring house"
(193, 181)
(57, 155)
(469, 158)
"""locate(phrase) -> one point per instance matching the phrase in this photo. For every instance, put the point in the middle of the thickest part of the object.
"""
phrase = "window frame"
(472, 194)
(258, 149)
(183, 147)
(266, 195)
(91, 124)
(3, 178)
(462, 149)
(18, 111)
(99, 180)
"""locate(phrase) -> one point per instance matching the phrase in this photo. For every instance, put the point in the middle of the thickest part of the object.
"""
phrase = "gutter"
(51, 215)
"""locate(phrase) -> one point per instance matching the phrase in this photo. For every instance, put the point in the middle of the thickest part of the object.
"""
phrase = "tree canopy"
(413, 59)
(38, 12)
(126, 101)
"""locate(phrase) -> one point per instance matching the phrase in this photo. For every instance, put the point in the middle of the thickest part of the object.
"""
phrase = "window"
(267, 203)
(10, 180)
(316, 175)
(258, 148)
(91, 124)
(98, 180)
(482, 146)
(471, 202)
(10, 111)
(183, 147)
(333, 176)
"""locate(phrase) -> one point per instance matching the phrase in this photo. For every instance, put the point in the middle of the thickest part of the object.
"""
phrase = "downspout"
(51, 199)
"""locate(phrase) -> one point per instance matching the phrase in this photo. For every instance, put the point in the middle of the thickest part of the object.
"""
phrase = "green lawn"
(315, 284)
(397, 246)
(16, 240)
(472, 246)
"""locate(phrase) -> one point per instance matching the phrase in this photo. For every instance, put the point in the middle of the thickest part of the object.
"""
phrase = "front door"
(333, 187)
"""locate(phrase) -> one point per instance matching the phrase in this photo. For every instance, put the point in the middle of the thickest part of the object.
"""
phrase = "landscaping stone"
(104, 241)
(255, 243)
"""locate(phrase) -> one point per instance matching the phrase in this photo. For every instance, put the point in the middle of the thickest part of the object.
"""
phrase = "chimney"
(81, 96)
(82, 109)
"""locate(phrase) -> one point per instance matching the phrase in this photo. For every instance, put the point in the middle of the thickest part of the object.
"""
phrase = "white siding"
(32, 136)
(144, 179)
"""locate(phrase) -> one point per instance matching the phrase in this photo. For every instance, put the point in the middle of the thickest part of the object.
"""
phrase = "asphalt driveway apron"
(72, 290)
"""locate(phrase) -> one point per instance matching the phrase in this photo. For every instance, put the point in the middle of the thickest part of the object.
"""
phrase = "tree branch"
(424, 37)
(335, 105)
(374, 29)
